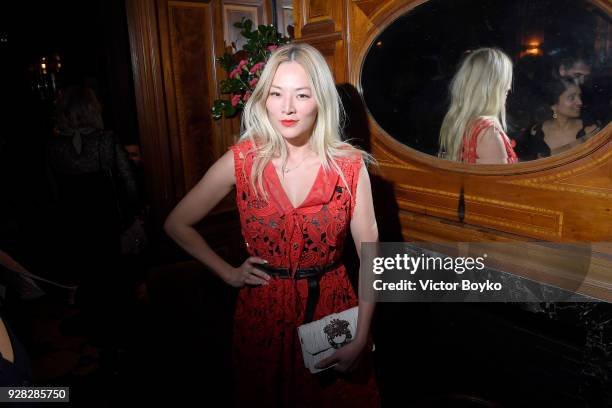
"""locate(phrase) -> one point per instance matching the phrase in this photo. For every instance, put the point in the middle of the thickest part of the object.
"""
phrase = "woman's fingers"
(255, 276)
(261, 274)
(326, 362)
(256, 260)
(254, 280)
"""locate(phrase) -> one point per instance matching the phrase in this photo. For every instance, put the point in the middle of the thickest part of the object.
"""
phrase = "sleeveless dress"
(470, 141)
(268, 364)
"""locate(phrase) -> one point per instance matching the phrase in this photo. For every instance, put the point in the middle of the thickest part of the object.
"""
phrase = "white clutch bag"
(319, 339)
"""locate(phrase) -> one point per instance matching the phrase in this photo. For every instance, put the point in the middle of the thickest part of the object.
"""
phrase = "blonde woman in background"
(473, 130)
(299, 190)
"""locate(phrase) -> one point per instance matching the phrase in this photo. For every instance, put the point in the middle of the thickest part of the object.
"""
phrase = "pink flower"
(253, 82)
(246, 96)
(257, 67)
(241, 64)
(235, 100)
(234, 73)
(272, 47)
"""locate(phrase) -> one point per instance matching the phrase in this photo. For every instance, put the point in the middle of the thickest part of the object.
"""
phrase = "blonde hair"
(326, 139)
(479, 89)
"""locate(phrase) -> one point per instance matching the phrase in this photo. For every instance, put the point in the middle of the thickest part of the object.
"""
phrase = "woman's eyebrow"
(296, 89)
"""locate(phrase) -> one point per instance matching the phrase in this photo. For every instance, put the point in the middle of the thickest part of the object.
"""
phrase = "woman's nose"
(288, 107)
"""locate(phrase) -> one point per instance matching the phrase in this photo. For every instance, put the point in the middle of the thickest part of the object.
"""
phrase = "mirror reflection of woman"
(473, 130)
(565, 129)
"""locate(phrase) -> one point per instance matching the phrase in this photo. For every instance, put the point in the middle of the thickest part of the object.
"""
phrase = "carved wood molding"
(322, 23)
(545, 223)
(151, 105)
(318, 16)
(589, 178)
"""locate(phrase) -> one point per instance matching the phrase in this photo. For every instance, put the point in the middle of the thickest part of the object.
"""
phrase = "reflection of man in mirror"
(576, 68)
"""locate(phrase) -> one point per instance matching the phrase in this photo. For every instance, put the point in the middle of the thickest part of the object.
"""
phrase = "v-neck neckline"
(284, 192)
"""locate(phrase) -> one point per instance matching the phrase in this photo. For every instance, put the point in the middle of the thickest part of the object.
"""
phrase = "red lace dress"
(268, 364)
(468, 150)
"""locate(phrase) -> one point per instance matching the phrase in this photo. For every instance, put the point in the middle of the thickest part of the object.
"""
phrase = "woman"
(298, 189)
(566, 128)
(473, 128)
(90, 169)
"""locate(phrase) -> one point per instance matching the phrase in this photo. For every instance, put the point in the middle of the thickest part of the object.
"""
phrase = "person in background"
(566, 127)
(473, 130)
(96, 194)
(575, 67)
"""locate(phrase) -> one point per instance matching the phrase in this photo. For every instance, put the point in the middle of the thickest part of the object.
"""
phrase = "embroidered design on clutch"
(338, 333)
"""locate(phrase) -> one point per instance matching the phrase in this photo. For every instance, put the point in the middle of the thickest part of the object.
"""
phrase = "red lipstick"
(288, 122)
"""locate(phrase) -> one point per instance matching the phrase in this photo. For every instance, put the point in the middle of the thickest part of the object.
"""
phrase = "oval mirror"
(561, 51)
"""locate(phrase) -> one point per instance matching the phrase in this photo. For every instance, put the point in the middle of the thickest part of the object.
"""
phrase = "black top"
(535, 146)
(97, 154)
(98, 151)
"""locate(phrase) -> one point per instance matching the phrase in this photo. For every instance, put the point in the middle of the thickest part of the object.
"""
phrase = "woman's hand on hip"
(247, 274)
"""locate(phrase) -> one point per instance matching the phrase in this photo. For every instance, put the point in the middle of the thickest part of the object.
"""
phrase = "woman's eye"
(274, 93)
(303, 96)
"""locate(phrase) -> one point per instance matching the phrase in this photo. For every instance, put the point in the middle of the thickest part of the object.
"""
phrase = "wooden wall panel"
(323, 25)
(319, 16)
(173, 48)
(192, 60)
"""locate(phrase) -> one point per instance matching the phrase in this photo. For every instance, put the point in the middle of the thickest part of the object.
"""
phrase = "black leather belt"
(311, 274)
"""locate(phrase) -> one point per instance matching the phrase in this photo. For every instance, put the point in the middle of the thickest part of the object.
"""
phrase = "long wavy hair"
(479, 89)
(325, 141)
(78, 108)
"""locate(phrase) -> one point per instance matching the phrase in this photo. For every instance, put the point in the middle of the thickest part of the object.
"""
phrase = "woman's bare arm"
(364, 229)
(212, 188)
(490, 148)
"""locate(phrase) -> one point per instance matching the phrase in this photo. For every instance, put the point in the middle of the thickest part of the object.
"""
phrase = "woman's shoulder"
(348, 154)
(349, 159)
(244, 148)
(484, 126)
(587, 129)
(485, 120)
(485, 123)
(242, 145)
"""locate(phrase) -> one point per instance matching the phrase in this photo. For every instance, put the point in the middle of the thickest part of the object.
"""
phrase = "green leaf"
(227, 62)
(218, 108)
(231, 85)
(229, 111)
